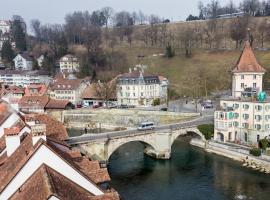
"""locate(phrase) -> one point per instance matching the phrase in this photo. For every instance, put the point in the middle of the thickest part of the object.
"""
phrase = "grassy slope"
(180, 70)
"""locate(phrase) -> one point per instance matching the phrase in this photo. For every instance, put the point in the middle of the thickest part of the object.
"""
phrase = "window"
(246, 137)
(258, 127)
(235, 124)
(258, 117)
(246, 106)
(242, 85)
(242, 77)
(245, 116)
(236, 106)
(254, 77)
(254, 85)
(245, 125)
(258, 138)
(258, 107)
(236, 115)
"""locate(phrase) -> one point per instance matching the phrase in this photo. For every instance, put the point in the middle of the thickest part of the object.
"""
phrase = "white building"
(5, 26)
(24, 78)
(138, 88)
(40, 60)
(47, 164)
(244, 118)
(69, 64)
(23, 62)
(68, 89)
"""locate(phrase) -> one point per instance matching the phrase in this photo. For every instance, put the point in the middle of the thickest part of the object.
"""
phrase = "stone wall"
(120, 117)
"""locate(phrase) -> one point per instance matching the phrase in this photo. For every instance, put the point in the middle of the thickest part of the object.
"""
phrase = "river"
(190, 174)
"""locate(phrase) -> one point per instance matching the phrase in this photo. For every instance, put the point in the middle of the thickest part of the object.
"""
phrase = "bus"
(146, 126)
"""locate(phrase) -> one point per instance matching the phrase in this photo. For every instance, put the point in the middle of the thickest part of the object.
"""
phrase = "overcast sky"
(54, 11)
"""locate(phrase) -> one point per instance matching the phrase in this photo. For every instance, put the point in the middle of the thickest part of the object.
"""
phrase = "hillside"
(207, 70)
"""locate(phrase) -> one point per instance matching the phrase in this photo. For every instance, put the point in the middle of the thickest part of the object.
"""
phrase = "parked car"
(164, 109)
(123, 106)
(207, 105)
(79, 106)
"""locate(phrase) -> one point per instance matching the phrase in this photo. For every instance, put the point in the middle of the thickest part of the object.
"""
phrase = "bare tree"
(105, 91)
(107, 12)
(238, 30)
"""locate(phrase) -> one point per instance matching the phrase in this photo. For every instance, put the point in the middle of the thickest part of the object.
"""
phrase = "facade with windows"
(69, 64)
(242, 121)
(140, 89)
(244, 118)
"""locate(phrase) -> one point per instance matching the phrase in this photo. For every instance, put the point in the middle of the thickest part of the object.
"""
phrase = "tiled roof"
(248, 62)
(54, 128)
(66, 84)
(68, 58)
(46, 182)
(57, 104)
(39, 102)
(36, 89)
(62, 186)
(12, 131)
(12, 90)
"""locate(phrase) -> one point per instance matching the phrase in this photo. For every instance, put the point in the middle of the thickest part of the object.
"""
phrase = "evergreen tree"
(169, 51)
(7, 52)
(19, 35)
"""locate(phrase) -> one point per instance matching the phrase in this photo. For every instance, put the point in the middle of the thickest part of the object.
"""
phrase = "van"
(146, 126)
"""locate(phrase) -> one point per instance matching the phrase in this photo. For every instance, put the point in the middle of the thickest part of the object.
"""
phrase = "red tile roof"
(54, 128)
(66, 84)
(57, 104)
(38, 102)
(248, 62)
(12, 131)
(36, 90)
(12, 165)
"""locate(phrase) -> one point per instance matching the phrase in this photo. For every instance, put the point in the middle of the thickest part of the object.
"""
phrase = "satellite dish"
(261, 96)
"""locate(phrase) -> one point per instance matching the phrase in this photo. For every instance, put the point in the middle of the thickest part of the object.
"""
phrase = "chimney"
(13, 139)
(38, 132)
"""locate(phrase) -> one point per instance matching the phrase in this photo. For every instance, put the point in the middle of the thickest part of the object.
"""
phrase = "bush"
(255, 152)
(170, 51)
(264, 143)
(156, 102)
(207, 130)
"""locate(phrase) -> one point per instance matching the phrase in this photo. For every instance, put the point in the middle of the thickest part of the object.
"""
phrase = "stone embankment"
(242, 155)
(121, 117)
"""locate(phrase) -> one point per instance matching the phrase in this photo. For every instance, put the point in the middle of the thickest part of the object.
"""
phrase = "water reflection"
(190, 174)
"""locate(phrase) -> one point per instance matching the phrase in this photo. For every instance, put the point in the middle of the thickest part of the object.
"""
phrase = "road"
(91, 137)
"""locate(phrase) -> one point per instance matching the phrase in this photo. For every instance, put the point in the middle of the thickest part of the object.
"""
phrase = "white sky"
(54, 11)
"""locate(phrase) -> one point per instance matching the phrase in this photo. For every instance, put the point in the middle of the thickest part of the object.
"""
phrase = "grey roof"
(24, 72)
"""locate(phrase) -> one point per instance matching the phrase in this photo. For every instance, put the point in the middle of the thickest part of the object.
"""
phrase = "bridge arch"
(115, 144)
(177, 133)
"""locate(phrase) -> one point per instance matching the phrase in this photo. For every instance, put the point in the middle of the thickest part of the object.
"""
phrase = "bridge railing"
(116, 134)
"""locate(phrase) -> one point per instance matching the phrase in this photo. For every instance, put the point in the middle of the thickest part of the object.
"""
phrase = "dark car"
(164, 109)
(123, 106)
(208, 105)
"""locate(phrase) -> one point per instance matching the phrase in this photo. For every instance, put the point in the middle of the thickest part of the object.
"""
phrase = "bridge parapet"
(157, 143)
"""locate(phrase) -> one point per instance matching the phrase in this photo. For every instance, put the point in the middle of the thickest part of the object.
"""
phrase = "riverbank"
(238, 154)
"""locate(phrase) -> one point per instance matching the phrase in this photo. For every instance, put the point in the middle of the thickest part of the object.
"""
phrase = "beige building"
(69, 64)
(140, 89)
(244, 118)
(68, 89)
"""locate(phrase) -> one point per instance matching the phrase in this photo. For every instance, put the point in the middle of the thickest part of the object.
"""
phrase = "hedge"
(207, 130)
(255, 152)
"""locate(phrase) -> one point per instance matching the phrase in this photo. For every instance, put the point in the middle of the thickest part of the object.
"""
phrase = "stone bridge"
(157, 142)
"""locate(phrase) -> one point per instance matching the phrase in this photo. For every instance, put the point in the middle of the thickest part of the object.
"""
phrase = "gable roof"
(13, 164)
(66, 84)
(27, 102)
(35, 89)
(248, 62)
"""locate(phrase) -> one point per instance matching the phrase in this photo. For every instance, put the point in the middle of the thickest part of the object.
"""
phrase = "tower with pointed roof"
(247, 75)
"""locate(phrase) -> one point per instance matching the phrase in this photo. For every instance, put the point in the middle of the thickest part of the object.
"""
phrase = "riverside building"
(245, 116)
